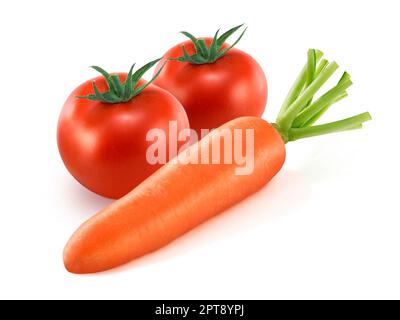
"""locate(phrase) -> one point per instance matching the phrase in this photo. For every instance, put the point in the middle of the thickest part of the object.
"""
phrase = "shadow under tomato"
(89, 202)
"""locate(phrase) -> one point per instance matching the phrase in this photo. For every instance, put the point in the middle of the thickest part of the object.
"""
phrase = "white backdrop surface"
(326, 227)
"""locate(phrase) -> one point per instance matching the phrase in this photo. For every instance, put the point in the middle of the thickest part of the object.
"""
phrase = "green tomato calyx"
(121, 92)
(205, 54)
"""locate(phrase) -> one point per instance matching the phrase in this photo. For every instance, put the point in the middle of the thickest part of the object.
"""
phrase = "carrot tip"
(71, 262)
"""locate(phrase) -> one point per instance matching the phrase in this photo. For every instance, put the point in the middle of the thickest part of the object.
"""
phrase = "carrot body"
(172, 201)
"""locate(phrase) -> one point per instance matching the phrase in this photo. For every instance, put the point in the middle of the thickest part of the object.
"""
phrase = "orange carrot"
(179, 196)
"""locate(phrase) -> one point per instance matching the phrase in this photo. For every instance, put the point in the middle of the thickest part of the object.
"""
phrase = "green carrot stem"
(327, 99)
(298, 86)
(311, 74)
(324, 109)
(285, 121)
(321, 66)
(311, 66)
(300, 111)
(337, 126)
(344, 77)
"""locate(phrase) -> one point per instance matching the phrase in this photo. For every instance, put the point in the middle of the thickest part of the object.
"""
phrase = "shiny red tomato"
(213, 93)
(103, 145)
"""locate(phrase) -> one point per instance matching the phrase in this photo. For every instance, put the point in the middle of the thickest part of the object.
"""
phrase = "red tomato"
(214, 93)
(104, 145)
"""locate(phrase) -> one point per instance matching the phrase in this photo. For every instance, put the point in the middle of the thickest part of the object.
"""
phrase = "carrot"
(181, 195)
(172, 201)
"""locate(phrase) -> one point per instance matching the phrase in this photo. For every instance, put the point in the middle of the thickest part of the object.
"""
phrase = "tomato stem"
(300, 111)
(121, 92)
(209, 54)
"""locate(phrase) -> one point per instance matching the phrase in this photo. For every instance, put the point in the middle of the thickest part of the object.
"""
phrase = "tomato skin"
(212, 94)
(104, 145)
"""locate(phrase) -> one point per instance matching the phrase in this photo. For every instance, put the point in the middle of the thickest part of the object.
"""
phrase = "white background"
(327, 226)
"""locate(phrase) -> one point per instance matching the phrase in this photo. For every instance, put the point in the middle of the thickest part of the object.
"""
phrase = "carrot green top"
(301, 110)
